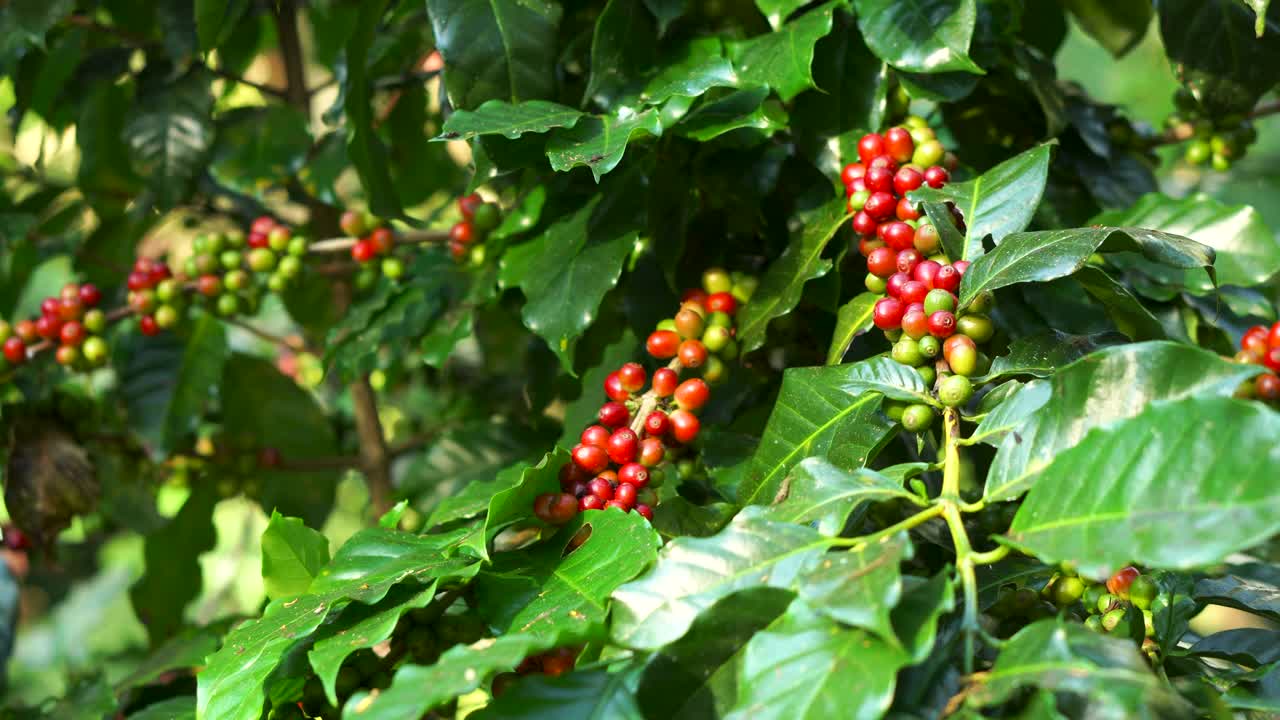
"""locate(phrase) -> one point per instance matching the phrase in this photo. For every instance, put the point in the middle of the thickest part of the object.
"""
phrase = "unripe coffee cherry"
(962, 359)
(664, 382)
(94, 350)
(907, 352)
(716, 338)
(955, 391)
(689, 324)
(1114, 622)
(978, 327)
(716, 280)
(684, 426)
(663, 344)
(651, 452)
(927, 239)
(614, 414)
(632, 376)
(939, 300)
(590, 459)
(875, 285)
(623, 445)
(917, 418)
(692, 353)
(67, 355)
(352, 223)
(1143, 591)
(262, 260)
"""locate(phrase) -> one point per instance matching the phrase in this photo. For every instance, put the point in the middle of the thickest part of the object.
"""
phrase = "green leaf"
(1101, 389)
(853, 319)
(169, 134)
(666, 11)
(172, 556)
(1249, 594)
(694, 69)
(1049, 254)
(362, 626)
(1110, 499)
(598, 141)
(999, 202)
(1042, 354)
(808, 667)
(498, 117)
(750, 108)
(916, 615)
(176, 708)
(822, 496)
(1218, 53)
(364, 148)
(782, 59)
(216, 19)
(859, 587)
(496, 49)
(257, 146)
(693, 573)
(925, 36)
(776, 11)
(463, 668)
(783, 283)
(1259, 8)
(622, 46)
(1117, 26)
(1063, 656)
(597, 693)
(827, 412)
(565, 272)
(1253, 647)
(33, 18)
(1246, 252)
(467, 464)
(292, 555)
(1126, 311)
(546, 592)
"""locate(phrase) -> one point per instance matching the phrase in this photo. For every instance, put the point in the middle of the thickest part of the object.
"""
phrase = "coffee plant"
(639, 359)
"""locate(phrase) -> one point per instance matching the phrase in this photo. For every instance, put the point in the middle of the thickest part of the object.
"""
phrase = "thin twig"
(408, 237)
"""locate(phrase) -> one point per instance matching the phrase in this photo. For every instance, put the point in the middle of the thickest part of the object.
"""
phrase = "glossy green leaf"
(292, 555)
(776, 11)
(216, 19)
(461, 669)
(597, 693)
(176, 708)
(853, 319)
(827, 412)
(564, 273)
(693, 573)
(1253, 647)
(496, 49)
(598, 141)
(1117, 25)
(1009, 415)
(749, 108)
(1067, 657)
(362, 626)
(499, 117)
(516, 503)
(32, 18)
(622, 46)
(1218, 52)
(1246, 250)
(172, 555)
(694, 69)
(169, 134)
(1042, 354)
(783, 59)
(806, 666)
(918, 612)
(783, 283)
(367, 152)
(999, 202)
(926, 36)
(859, 587)
(1109, 500)
(821, 495)
(1101, 389)
(1126, 311)
(1249, 594)
(1050, 254)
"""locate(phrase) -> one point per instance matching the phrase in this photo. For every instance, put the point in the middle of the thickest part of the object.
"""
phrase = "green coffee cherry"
(298, 247)
(930, 346)
(166, 316)
(236, 280)
(939, 300)
(393, 267)
(290, 267)
(978, 327)
(1106, 602)
(929, 152)
(893, 409)
(1067, 591)
(858, 199)
(715, 338)
(917, 418)
(95, 321)
(1094, 623)
(231, 239)
(1115, 622)
(719, 319)
(1142, 591)
(230, 259)
(928, 374)
(744, 287)
(875, 284)
(907, 352)
(1092, 595)
(277, 283)
(262, 260)
(1198, 152)
(486, 217)
(955, 391)
(717, 280)
(228, 304)
(94, 350)
(981, 303)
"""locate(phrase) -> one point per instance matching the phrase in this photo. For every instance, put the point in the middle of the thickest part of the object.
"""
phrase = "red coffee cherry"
(960, 266)
(722, 302)
(616, 504)
(870, 146)
(899, 235)
(907, 261)
(462, 232)
(590, 458)
(72, 333)
(881, 205)
(893, 286)
(633, 473)
(148, 326)
(644, 511)
(936, 176)
(1271, 359)
(467, 205)
(382, 240)
(665, 381)
(614, 389)
(852, 172)
(685, 426)
(26, 329)
(15, 350)
(596, 435)
(887, 314)
(898, 144)
(913, 291)
(48, 326)
(692, 394)
(882, 262)
(863, 223)
(601, 488)
(692, 354)
(632, 376)
(906, 180)
(651, 451)
(657, 424)
(879, 179)
(571, 475)
(625, 495)
(663, 344)
(868, 244)
(1273, 336)
(695, 295)
(915, 324)
(614, 415)
(925, 272)
(362, 251)
(262, 224)
(49, 307)
(590, 502)
(1118, 584)
(1268, 387)
(947, 278)
(258, 240)
(623, 445)
(555, 508)
(942, 324)
(907, 210)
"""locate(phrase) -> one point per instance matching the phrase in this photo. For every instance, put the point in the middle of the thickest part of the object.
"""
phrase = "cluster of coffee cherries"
(1214, 141)
(621, 460)
(71, 322)
(889, 166)
(1261, 346)
(1115, 607)
(552, 663)
(479, 218)
(373, 248)
(155, 296)
(230, 270)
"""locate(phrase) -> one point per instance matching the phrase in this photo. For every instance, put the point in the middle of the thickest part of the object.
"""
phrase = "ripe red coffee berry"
(1118, 584)
(942, 324)
(665, 381)
(26, 329)
(925, 272)
(657, 424)
(263, 224)
(148, 326)
(913, 291)
(947, 278)
(879, 179)
(915, 324)
(382, 240)
(613, 414)
(882, 262)
(590, 502)
(852, 172)
(880, 206)
(633, 473)
(143, 265)
(601, 488)
(571, 476)
(887, 314)
(15, 350)
(613, 387)
(694, 295)
(863, 223)
(1271, 359)
(663, 344)
(644, 511)
(50, 306)
(692, 354)
(362, 251)
(870, 146)
(597, 435)
(907, 210)
(898, 143)
(626, 495)
(615, 504)
(899, 235)
(1267, 387)
(590, 458)
(907, 261)
(1254, 343)
(48, 326)
(722, 302)
(893, 286)
(70, 308)
(258, 240)
(468, 203)
(936, 176)
(1273, 336)
(906, 180)
(462, 232)
(556, 508)
(90, 295)
(632, 376)
(692, 394)
(72, 333)
(652, 451)
(684, 426)
(623, 445)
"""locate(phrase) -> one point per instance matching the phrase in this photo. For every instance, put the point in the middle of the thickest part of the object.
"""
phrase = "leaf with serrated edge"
(1110, 499)
(598, 141)
(498, 117)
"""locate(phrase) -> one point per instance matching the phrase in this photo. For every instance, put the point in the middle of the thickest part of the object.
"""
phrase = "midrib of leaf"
(973, 214)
